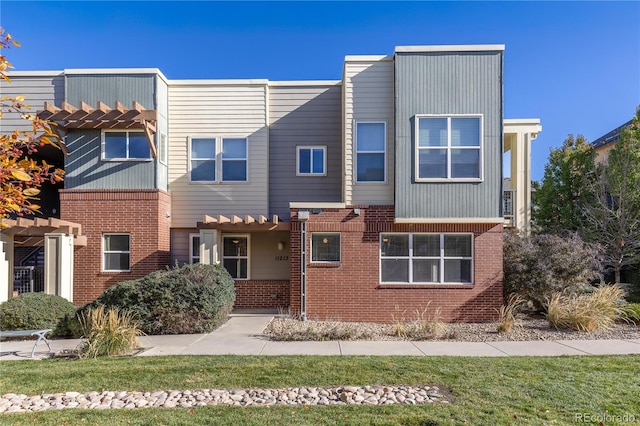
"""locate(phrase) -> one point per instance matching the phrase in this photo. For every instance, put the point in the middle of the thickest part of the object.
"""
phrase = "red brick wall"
(258, 294)
(351, 290)
(140, 213)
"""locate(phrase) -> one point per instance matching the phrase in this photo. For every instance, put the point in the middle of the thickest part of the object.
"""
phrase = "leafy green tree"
(613, 220)
(565, 187)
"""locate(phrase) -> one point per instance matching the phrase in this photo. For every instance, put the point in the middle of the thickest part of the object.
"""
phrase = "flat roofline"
(367, 58)
(34, 73)
(451, 48)
(521, 121)
(306, 83)
(213, 82)
(89, 71)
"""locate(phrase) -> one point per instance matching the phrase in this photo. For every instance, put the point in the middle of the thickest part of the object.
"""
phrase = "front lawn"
(496, 391)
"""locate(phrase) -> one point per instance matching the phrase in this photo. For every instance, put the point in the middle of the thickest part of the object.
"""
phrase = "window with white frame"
(116, 252)
(235, 255)
(125, 145)
(218, 159)
(311, 160)
(371, 151)
(163, 149)
(426, 258)
(234, 159)
(325, 247)
(203, 159)
(448, 147)
(194, 248)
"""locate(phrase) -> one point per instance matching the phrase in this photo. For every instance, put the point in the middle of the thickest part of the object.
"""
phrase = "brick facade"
(351, 290)
(140, 213)
(262, 294)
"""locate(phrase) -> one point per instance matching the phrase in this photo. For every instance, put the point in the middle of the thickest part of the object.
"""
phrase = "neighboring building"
(351, 199)
(605, 143)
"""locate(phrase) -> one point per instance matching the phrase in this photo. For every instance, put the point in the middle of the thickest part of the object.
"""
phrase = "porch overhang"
(245, 223)
(31, 232)
(101, 117)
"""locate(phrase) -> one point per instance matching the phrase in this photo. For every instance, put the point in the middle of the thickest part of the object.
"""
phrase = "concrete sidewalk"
(242, 335)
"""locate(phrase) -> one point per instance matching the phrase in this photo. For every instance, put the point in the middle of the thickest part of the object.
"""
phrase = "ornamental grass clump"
(508, 313)
(587, 312)
(423, 326)
(108, 332)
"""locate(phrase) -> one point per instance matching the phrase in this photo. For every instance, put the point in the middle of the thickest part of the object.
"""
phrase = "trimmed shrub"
(30, 311)
(587, 312)
(108, 333)
(190, 299)
(537, 266)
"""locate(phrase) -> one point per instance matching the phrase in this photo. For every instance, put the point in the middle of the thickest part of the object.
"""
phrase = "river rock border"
(346, 395)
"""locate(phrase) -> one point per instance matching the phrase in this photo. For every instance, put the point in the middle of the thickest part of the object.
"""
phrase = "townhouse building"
(350, 199)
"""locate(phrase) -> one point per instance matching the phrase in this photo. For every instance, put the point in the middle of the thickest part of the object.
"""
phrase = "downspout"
(303, 216)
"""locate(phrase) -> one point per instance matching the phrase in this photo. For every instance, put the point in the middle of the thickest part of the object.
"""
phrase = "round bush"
(37, 311)
(191, 299)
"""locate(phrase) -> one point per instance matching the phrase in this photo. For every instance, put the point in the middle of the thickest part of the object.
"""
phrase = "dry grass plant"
(423, 326)
(587, 312)
(108, 332)
(508, 313)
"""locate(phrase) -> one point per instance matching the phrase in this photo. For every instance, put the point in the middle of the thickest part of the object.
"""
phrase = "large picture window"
(426, 258)
(125, 145)
(325, 247)
(235, 255)
(448, 147)
(218, 159)
(311, 160)
(371, 142)
(116, 252)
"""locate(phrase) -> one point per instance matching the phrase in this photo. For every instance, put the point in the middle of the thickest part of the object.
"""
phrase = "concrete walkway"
(241, 335)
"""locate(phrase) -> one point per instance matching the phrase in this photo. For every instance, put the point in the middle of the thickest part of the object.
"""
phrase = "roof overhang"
(31, 232)
(101, 117)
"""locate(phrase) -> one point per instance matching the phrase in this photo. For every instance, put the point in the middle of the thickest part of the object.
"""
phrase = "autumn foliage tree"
(20, 175)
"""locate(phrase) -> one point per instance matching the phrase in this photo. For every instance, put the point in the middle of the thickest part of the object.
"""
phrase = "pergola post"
(209, 247)
(58, 265)
(6, 267)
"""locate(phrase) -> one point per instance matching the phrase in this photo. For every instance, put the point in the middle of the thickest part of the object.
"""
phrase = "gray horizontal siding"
(85, 169)
(302, 116)
(111, 88)
(37, 90)
(448, 83)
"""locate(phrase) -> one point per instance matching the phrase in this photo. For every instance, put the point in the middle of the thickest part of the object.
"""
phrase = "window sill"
(325, 264)
(451, 180)
(115, 272)
(121, 160)
(424, 286)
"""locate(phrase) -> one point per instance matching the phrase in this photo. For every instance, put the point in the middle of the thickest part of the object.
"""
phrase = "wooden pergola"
(243, 223)
(30, 232)
(101, 117)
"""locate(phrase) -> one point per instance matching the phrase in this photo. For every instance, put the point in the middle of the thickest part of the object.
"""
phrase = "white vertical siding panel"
(204, 110)
(368, 96)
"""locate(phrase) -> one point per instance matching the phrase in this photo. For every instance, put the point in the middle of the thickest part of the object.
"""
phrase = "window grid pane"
(448, 148)
(115, 145)
(138, 146)
(426, 258)
(304, 161)
(318, 161)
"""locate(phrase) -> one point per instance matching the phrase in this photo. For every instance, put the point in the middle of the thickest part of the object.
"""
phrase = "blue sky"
(574, 65)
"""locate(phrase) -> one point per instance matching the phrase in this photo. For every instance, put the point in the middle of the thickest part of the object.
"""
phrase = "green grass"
(492, 391)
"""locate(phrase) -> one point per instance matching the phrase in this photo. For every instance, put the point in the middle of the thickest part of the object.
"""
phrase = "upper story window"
(125, 145)
(163, 153)
(311, 160)
(235, 255)
(325, 247)
(116, 252)
(426, 258)
(234, 159)
(371, 143)
(448, 148)
(218, 159)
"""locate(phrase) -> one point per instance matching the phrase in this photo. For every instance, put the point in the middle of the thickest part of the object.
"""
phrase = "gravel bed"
(529, 329)
(345, 395)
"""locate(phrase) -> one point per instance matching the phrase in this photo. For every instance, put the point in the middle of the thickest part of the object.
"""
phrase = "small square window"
(116, 252)
(311, 160)
(325, 247)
